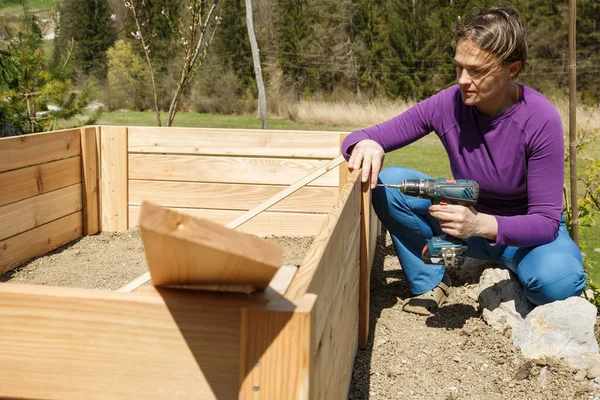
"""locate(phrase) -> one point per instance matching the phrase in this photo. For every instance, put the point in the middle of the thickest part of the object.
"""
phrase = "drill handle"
(462, 192)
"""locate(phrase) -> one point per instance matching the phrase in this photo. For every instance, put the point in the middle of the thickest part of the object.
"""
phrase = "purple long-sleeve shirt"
(517, 157)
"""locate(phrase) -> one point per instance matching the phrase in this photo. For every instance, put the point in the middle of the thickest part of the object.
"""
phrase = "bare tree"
(262, 97)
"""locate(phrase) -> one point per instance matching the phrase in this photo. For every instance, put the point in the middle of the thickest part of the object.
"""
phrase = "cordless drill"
(442, 249)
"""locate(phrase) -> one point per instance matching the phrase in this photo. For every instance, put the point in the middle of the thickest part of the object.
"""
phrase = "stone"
(501, 299)
(543, 377)
(593, 372)
(558, 329)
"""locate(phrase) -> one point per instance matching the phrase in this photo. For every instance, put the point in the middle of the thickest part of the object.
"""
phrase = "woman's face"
(483, 82)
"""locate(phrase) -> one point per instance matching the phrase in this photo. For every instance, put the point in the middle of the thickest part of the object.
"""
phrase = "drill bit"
(390, 185)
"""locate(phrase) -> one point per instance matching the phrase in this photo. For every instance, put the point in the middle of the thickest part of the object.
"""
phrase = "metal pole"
(573, 119)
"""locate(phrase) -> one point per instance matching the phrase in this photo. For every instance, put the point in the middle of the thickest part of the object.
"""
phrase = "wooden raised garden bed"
(295, 339)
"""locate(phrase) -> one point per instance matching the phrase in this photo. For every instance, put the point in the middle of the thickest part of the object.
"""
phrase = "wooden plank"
(151, 344)
(264, 224)
(43, 178)
(274, 171)
(35, 211)
(89, 168)
(348, 201)
(235, 142)
(229, 196)
(365, 264)
(27, 150)
(39, 241)
(113, 179)
(275, 351)
(343, 171)
(183, 250)
(286, 192)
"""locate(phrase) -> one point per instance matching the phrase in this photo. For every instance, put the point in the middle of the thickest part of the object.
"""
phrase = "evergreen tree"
(233, 44)
(87, 23)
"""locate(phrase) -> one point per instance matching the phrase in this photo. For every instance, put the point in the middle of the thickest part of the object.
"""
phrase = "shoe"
(426, 303)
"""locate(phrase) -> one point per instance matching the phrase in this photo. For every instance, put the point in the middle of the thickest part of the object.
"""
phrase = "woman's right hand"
(368, 155)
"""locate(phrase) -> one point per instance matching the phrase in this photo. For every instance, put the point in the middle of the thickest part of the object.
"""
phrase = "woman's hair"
(497, 30)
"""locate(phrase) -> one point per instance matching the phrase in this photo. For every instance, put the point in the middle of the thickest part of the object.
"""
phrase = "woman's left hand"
(458, 221)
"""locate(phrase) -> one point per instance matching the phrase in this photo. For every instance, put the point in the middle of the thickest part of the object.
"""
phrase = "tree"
(196, 27)
(128, 78)
(262, 97)
(34, 86)
(88, 24)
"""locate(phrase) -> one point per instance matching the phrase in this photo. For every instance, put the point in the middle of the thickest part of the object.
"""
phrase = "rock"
(544, 377)
(580, 375)
(558, 329)
(501, 298)
(593, 372)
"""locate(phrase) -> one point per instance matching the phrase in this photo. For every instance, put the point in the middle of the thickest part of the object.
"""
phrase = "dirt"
(450, 355)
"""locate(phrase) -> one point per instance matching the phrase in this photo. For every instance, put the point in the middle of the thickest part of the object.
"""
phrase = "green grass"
(188, 119)
(13, 7)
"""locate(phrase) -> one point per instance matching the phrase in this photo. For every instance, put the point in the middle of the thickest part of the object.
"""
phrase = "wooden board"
(113, 179)
(229, 196)
(273, 171)
(183, 250)
(275, 350)
(32, 181)
(235, 142)
(35, 211)
(366, 250)
(27, 150)
(152, 344)
(89, 172)
(265, 224)
(39, 241)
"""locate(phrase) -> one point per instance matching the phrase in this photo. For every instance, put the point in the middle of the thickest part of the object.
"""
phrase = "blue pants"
(549, 272)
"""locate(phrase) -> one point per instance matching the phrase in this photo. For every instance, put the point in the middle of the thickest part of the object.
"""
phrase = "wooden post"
(89, 176)
(344, 166)
(113, 179)
(365, 265)
(275, 346)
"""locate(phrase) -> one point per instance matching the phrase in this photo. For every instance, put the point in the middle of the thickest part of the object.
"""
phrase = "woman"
(506, 137)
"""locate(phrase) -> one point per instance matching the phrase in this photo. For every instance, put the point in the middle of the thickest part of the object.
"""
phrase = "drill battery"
(444, 249)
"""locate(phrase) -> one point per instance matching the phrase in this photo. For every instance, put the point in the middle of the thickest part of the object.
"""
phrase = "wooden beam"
(234, 142)
(275, 350)
(113, 179)
(264, 224)
(18, 249)
(39, 210)
(38, 148)
(343, 172)
(365, 264)
(257, 170)
(183, 250)
(39, 179)
(89, 172)
(153, 344)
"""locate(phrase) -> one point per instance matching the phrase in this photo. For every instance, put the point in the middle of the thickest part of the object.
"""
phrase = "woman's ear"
(514, 68)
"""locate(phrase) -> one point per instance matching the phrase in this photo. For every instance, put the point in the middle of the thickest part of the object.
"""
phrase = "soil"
(450, 355)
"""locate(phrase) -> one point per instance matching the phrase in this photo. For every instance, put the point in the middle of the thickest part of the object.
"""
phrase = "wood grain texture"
(78, 344)
(365, 264)
(27, 182)
(35, 211)
(183, 250)
(229, 196)
(274, 171)
(113, 179)
(89, 172)
(27, 150)
(264, 224)
(39, 241)
(343, 171)
(275, 351)
(348, 200)
(235, 142)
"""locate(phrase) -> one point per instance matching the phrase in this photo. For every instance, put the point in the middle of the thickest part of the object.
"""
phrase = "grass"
(13, 7)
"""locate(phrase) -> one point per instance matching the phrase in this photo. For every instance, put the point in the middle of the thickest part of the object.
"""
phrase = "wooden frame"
(296, 339)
